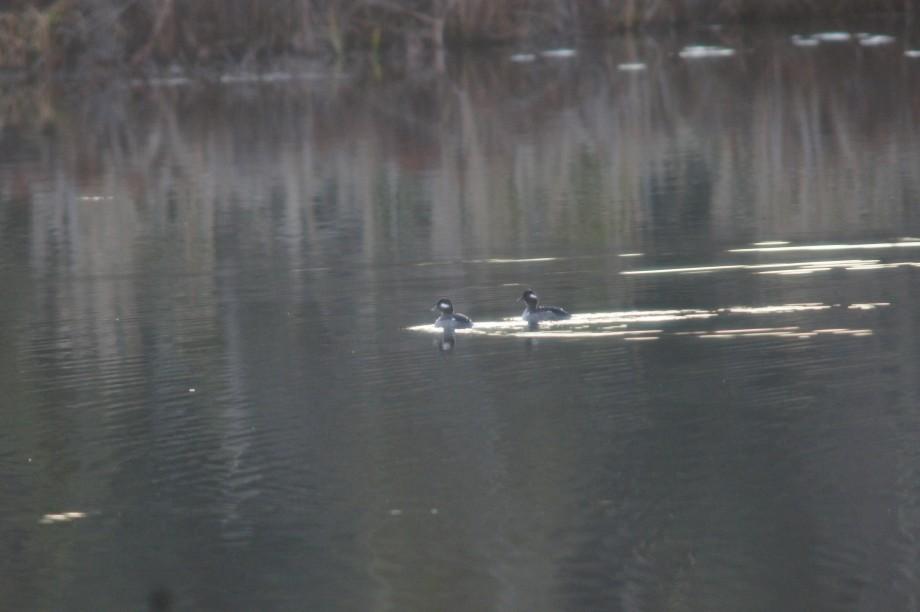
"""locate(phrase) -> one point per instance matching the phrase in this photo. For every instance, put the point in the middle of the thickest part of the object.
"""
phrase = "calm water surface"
(206, 353)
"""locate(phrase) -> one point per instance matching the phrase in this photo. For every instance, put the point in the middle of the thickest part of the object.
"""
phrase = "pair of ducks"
(533, 313)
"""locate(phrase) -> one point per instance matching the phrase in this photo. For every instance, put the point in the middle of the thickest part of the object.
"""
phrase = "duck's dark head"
(529, 297)
(443, 306)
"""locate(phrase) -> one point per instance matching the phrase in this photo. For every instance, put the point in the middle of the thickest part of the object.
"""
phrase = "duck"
(448, 318)
(534, 313)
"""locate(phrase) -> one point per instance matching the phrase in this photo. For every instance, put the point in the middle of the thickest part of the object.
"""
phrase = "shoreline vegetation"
(137, 36)
(487, 150)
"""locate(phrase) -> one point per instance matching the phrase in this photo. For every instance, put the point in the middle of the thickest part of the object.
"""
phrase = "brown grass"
(71, 34)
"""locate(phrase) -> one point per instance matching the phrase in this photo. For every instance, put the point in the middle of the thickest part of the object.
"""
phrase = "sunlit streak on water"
(638, 316)
(756, 330)
(799, 271)
(829, 247)
(783, 308)
(61, 517)
(882, 266)
(793, 332)
(495, 260)
(626, 335)
(617, 324)
(836, 263)
(500, 261)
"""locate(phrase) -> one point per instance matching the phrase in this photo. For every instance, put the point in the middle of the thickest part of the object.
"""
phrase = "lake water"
(207, 353)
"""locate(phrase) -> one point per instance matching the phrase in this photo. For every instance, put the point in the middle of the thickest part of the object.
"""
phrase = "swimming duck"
(534, 313)
(450, 319)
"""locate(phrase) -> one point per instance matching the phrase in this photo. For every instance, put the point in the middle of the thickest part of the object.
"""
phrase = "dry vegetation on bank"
(78, 34)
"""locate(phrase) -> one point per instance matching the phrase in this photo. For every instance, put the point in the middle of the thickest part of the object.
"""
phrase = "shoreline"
(153, 36)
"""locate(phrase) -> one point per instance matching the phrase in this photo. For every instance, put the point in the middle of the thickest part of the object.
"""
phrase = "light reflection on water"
(799, 267)
(616, 324)
(907, 244)
(698, 436)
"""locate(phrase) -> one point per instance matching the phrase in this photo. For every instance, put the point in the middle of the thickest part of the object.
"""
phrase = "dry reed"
(115, 33)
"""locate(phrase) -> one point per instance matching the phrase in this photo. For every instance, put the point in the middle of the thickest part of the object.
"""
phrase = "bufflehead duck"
(450, 319)
(535, 314)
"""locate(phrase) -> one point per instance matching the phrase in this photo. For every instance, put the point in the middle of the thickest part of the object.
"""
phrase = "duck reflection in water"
(446, 340)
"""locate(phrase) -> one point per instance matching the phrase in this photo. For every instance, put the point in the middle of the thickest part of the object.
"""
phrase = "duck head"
(529, 298)
(443, 306)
